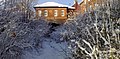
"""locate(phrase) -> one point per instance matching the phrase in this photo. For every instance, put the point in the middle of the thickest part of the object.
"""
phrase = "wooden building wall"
(51, 16)
(82, 7)
(89, 5)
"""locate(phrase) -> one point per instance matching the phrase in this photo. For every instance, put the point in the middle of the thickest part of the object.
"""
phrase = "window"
(85, 10)
(55, 13)
(90, 7)
(62, 13)
(85, 1)
(96, 4)
(40, 13)
(45, 13)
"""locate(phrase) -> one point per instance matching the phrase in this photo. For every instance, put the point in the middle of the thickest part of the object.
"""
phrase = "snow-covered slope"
(51, 50)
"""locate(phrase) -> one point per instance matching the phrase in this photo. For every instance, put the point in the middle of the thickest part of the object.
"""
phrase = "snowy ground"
(50, 50)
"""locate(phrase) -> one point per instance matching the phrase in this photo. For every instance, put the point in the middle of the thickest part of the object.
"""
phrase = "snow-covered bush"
(19, 32)
(95, 35)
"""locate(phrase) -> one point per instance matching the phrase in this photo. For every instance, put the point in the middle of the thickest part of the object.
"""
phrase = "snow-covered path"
(50, 50)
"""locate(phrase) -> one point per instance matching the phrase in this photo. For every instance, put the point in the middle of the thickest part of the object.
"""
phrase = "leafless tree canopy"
(95, 35)
(19, 30)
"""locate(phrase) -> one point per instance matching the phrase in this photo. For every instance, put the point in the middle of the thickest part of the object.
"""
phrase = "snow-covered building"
(90, 5)
(53, 11)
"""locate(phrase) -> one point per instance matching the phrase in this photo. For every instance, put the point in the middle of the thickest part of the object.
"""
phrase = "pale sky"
(66, 2)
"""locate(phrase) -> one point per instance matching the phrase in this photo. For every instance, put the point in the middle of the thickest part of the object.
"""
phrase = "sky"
(66, 2)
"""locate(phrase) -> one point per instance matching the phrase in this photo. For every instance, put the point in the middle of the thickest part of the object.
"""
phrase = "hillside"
(93, 35)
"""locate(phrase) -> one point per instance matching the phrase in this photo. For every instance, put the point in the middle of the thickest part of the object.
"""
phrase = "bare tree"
(95, 35)
(17, 32)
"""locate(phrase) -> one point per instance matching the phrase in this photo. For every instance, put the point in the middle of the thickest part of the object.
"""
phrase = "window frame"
(62, 13)
(55, 13)
(45, 13)
(40, 13)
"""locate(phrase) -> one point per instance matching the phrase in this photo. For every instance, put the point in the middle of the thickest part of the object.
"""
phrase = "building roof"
(81, 2)
(53, 4)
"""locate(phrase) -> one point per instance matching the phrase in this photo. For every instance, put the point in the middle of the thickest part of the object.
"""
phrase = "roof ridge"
(52, 4)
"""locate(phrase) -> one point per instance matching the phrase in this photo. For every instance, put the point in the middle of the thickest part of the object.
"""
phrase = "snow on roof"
(53, 4)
